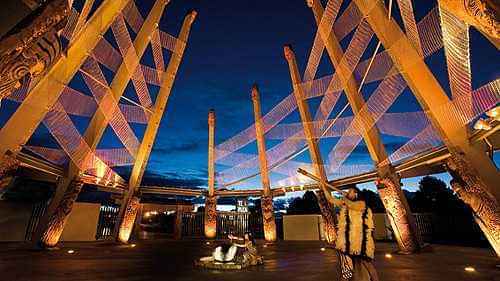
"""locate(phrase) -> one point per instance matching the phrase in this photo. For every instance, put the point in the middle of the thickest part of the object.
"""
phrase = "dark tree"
(256, 208)
(434, 196)
(373, 201)
(307, 204)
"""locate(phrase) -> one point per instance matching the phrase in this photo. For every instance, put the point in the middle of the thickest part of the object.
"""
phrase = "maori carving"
(210, 216)
(469, 187)
(8, 165)
(399, 214)
(57, 220)
(328, 218)
(32, 46)
(266, 203)
(8, 168)
(483, 14)
(128, 219)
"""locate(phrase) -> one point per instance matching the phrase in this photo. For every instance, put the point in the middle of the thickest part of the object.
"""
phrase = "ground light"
(208, 243)
(71, 251)
(322, 249)
(469, 269)
(133, 245)
(389, 256)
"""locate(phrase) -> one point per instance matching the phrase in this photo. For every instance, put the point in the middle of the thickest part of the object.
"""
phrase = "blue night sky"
(232, 45)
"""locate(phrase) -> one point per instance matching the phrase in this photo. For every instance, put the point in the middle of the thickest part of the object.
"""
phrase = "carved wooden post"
(467, 185)
(305, 116)
(8, 168)
(178, 223)
(266, 200)
(58, 219)
(128, 219)
(211, 199)
(400, 217)
(127, 208)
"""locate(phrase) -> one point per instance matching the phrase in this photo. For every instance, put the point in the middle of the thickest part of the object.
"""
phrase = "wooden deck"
(284, 261)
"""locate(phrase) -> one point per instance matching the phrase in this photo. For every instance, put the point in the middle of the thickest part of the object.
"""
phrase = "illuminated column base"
(210, 216)
(266, 203)
(469, 187)
(55, 226)
(328, 218)
(8, 168)
(127, 223)
(400, 216)
(178, 224)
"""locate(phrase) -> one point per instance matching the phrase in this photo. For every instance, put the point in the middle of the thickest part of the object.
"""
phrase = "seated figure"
(240, 253)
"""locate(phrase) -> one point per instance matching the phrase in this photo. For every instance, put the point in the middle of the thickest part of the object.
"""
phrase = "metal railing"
(227, 223)
(106, 222)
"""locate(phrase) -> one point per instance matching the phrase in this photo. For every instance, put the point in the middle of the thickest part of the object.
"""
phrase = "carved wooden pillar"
(469, 187)
(178, 223)
(319, 169)
(210, 216)
(128, 209)
(8, 169)
(127, 222)
(482, 14)
(398, 211)
(329, 222)
(55, 226)
(211, 199)
(267, 198)
(266, 204)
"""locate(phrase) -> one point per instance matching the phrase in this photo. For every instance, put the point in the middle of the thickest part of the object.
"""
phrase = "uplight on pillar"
(128, 220)
(55, 226)
(211, 199)
(398, 211)
(267, 198)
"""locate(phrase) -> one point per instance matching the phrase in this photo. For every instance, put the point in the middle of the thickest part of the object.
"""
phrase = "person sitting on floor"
(248, 254)
(240, 251)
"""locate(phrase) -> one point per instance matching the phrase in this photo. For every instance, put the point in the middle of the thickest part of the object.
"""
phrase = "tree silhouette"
(434, 196)
(307, 204)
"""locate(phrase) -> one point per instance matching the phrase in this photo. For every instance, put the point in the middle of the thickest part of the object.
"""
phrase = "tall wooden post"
(178, 222)
(389, 185)
(211, 199)
(472, 166)
(92, 136)
(267, 197)
(317, 161)
(129, 206)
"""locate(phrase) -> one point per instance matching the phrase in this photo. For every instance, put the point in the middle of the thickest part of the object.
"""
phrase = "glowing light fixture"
(481, 124)
(71, 251)
(323, 249)
(494, 113)
(133, 245)
(470, 269)
(388, 256)
(208, 243)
